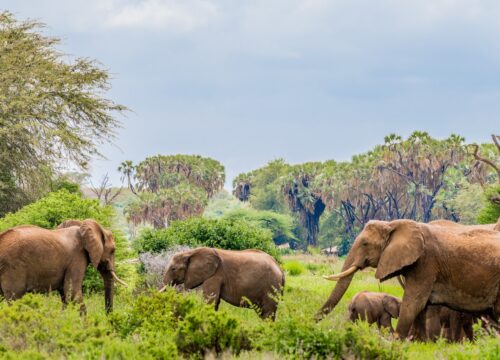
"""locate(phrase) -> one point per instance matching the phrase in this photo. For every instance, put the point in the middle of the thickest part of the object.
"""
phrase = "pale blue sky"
(249, 81)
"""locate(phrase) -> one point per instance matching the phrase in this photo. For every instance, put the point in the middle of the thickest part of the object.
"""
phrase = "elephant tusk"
(163, 289)
(343, 274)
(120, 281)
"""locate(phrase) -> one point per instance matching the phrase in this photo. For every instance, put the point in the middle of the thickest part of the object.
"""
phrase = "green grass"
(149, 326)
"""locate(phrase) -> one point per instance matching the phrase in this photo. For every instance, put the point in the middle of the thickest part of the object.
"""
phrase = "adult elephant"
(242, 278)
(442, 267)
(33, 259)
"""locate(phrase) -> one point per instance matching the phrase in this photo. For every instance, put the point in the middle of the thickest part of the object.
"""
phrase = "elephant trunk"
(107, 276)
(338, 291)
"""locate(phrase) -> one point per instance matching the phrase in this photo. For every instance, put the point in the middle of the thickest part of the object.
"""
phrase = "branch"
(484, 160)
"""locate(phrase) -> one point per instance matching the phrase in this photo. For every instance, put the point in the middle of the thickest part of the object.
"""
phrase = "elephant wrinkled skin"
(33, 259)
(238, 277)
(441, 267)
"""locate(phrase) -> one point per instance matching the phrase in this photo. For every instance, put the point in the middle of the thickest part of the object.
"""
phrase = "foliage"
(193, 232)
(171, 188)
(222, 203)
(294, 268)
(280, 225)
(51, 109)
(491, 212)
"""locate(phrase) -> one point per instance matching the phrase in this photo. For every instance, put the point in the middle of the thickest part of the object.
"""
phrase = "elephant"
(374, 307)
(461, 228)
(33, 259)
(441, 267)
(241, 278)
(447, 323)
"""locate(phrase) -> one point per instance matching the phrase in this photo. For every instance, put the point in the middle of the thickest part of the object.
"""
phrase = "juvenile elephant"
(235, 276)
(374, 307)
(442, 267)
(33, 259)
(452, 325)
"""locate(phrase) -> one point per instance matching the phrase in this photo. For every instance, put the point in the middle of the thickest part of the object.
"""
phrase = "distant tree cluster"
(172, 187)
(419, 178)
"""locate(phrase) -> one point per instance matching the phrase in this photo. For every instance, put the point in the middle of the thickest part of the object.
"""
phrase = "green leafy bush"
(53, 209)
(194, 327)
(280, 225)
(217, 233)
(491, 212)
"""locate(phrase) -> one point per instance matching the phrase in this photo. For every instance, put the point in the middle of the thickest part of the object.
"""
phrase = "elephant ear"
(392, 305)
(93, 240)
(202, 264)
(403, 247)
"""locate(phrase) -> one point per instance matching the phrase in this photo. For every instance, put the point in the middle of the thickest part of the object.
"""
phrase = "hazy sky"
(249, 81)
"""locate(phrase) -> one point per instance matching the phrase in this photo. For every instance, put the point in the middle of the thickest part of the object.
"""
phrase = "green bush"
(490, 213)
(193, 327)
(216, 233)
(280, 225)
(294, 268)
(53, 209)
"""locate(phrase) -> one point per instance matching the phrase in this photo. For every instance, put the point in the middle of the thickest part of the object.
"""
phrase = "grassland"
(148, 326)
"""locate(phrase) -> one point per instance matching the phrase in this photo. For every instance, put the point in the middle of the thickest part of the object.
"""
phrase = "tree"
(172, 187)
(51, 110)
(303, 197)
(488, 160)
(104, 192)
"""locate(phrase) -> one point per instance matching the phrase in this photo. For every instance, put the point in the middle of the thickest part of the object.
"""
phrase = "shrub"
(280, 225)
(216, 233)
(154, 264)
(294, 268)
(53, 209)
(196, 328)
(491, 212)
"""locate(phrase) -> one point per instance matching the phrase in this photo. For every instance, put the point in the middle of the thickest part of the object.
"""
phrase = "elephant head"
(191, 268)
(387, 246)
(392, 305)
(99, 244)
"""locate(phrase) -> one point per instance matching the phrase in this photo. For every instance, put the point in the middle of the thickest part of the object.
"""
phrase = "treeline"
(419, 178)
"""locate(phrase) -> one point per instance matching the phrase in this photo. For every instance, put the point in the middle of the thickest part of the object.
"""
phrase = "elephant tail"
(282, 283)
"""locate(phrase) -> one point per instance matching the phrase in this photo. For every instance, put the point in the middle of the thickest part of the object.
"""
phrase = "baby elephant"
(241, 278)
(374, 307)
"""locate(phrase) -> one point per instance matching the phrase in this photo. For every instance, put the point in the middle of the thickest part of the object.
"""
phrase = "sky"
(246, 82)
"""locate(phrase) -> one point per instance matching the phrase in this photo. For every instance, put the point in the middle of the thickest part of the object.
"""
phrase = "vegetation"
(282, 226)
(171, 188)
(419, 178)
(51, 111)
(223, 234)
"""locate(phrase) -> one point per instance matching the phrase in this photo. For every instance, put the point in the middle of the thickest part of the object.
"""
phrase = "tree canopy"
(172, 187)
(419, 178)
(52, 110)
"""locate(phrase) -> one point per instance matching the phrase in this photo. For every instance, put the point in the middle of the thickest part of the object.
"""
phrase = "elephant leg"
(211, 291)
(385, 321)
(268, 309)
(415, 298)
(13, 286)
(433, 322)
(73, 289)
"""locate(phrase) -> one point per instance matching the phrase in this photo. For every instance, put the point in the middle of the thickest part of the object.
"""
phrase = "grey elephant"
(240, 278)
(33, 259)
(373, 307)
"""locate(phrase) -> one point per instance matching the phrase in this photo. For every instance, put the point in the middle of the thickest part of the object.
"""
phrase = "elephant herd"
(450, 272)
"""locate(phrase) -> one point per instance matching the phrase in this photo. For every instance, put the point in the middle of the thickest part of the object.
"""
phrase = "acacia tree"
(51, 110)
(172, 187)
